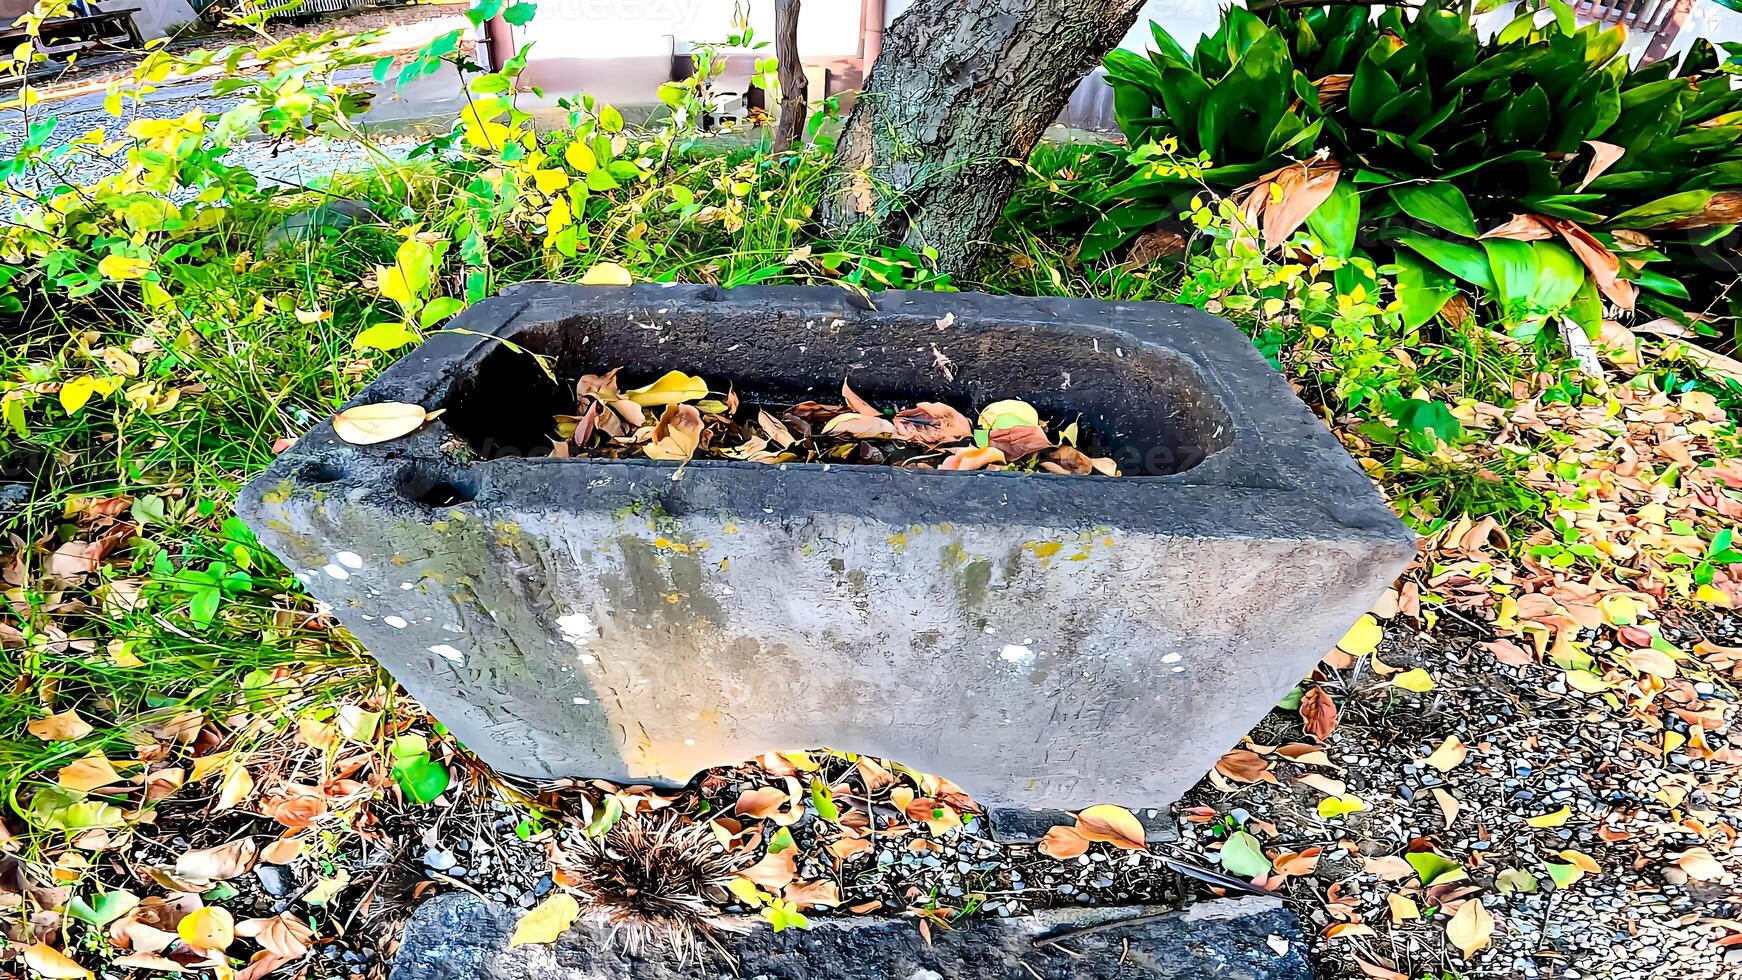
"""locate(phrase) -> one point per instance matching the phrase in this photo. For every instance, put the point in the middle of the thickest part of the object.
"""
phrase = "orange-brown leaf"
(1318, 713)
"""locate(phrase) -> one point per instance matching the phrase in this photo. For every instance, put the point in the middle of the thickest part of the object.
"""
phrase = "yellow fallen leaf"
(1363, 637)
(1554, 819)
(1449, 755)
(1417, 680)
(207, 928)
(1586, 681)
(307, 317)
(547, 921)
(672, 387)
(1113, 824)
(64, 727)
(366, 425)
(1711, 595)
(1584, 862)
(1008, 413)
(1402, 909)
(1332, 807)
(1471, 928)
(607, 274)
(46, 961)
(89, 773)
(1619, 610)
(234, 788)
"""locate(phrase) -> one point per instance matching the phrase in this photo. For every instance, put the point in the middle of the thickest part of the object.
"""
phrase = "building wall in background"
(155, 17)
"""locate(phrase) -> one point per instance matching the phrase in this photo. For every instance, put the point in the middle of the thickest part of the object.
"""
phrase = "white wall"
(156, 17)
(635, 28)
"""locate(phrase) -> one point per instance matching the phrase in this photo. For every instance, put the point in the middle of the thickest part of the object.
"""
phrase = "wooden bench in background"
(1662, 19)
(99, 28)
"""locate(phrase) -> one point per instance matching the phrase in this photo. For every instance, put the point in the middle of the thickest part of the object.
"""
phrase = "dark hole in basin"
(1147, 407)
(320, 471)
(433, 487)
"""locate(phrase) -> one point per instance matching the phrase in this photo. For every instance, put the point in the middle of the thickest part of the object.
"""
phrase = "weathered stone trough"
(1048, 642)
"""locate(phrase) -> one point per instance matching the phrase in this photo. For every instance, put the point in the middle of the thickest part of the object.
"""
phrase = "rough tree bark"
(794, 86)
(961, 88)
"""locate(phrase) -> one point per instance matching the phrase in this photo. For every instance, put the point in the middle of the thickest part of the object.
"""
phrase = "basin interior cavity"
(1147, 406)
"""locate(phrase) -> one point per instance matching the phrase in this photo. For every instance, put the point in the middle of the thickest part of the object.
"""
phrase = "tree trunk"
(794, 87)
(962, 88)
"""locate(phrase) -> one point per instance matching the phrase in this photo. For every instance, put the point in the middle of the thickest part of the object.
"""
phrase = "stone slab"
(458, 936)
(1047, 642)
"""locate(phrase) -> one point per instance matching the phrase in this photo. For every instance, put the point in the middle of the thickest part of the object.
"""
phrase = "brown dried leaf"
(1449, 806)
(282, 851)
(775, 431)
(1018, 441)
(1603, 156)
(1299, 192)
(976, 458)
(1522, 228)
(677, 435)
(859, 426)
(1318, 713)
(1244, 766)
(1324, 784)
(857, 404)
(821, 894)
(283, 935)
(1471, 928)
(1063, 843)
(1604, 265)
(931, 423)
(219, 863)
(775, 871)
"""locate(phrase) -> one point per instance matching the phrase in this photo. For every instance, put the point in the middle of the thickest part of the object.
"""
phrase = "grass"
(190, 615)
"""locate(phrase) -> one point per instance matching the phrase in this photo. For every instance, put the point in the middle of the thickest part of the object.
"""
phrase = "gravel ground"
(1533, 747)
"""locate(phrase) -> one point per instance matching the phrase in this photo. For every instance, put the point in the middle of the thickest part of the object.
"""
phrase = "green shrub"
(1411, 139)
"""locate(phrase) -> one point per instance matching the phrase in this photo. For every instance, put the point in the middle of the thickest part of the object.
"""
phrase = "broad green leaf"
(1336, 221)
(1467, 262)
(1431, 867)
(422, 778)
(1514, 266)
(1241, 856)
(1438, 203)
(1559, 276)
(1665, 209)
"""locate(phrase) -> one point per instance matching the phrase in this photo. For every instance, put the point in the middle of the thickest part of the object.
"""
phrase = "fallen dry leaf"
(1471, 928)
(283, 935)
(1063, 843)
(1114, 825)
(775, 871)
(1318, 713)
(1244, 766)
(1700, 864)
(1449, 755)
(46, 961)
(821, 894)
(366, 425)
(64, 727)
(219, 863)
(208, 928)
(548, 920)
